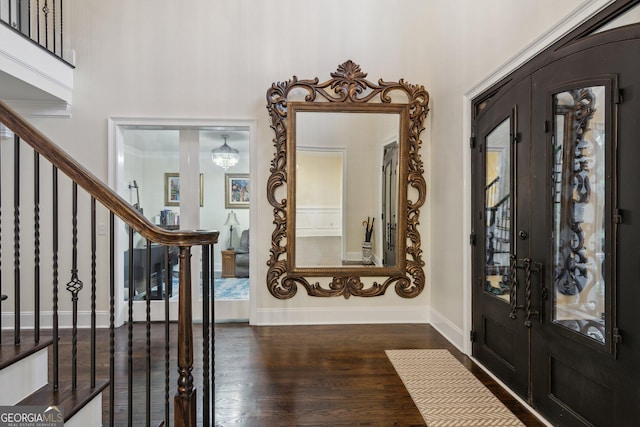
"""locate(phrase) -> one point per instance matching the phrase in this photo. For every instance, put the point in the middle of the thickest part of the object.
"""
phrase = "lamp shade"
(225, 156)
(5, 133)
(232, 219)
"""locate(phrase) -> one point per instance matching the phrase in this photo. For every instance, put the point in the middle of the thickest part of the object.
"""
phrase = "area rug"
(446, 393)
(224, 289)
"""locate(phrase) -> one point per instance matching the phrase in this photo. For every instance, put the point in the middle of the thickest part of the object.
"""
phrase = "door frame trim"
(115, 124)
(582, 13)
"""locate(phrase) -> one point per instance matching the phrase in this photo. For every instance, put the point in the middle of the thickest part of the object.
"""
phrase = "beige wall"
(216, 59)
(319, 179)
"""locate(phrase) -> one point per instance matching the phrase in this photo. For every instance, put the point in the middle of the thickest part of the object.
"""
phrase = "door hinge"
(547, 126)
(617, 216)
(515, 138)
(619, 97)
(473, 336)
(472, 239)
(617, 336)
(472, 142)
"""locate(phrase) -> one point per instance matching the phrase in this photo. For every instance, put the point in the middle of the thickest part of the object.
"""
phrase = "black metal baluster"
(10, 14)
(93, 292)
(74, 286)
(38, 20)
(20, 28)
(61, 32)
(45, 10)
(206, 384)
(36, 251)
(130, 332)
(148, 331)
(169, 282)
(56, 369)
(16, 238)
(29, 18)
(53, 24)
(112, 319)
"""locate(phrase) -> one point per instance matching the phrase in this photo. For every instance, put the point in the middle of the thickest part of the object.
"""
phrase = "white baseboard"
(331, 316)
(231, 310)
(450, 331)
(65, 319)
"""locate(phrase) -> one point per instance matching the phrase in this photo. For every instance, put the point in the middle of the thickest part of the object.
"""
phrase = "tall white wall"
(216, 59)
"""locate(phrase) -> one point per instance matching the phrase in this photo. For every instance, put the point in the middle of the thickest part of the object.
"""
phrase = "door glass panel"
(497, 204)
(578, 193)
(630, 17)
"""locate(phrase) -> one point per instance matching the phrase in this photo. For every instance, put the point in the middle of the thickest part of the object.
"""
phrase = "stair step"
(65, 398)
(11, 353)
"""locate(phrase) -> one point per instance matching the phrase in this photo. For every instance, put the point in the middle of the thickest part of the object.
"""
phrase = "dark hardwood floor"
(138, 412)
(335, 375)
(332, 375)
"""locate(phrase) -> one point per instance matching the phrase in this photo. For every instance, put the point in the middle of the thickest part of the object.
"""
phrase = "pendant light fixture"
(225, 156)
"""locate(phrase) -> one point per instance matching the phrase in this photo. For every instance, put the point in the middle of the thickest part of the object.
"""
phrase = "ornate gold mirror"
(346, 185)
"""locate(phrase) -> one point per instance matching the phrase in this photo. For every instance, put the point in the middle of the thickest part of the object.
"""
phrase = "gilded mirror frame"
(347, 91)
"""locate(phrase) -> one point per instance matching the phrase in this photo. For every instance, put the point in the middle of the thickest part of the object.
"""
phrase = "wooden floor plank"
(11, 353)
(322, 375)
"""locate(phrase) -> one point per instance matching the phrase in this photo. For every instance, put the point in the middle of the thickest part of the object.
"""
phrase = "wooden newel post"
(185, 399)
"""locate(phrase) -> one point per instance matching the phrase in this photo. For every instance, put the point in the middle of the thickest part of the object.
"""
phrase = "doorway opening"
(165, 169)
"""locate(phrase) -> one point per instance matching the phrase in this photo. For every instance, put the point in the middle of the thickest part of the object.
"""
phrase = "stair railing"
(498, 231)
(184, 404)
(41, 21)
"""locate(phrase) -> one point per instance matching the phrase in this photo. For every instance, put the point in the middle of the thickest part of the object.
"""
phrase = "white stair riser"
(89, 416)
(23, 378)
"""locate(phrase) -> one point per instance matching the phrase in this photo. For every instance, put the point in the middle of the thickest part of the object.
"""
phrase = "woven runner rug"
(446, 393)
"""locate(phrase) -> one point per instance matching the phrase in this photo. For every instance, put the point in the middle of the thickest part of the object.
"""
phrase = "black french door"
(556, 211)
(501, 177)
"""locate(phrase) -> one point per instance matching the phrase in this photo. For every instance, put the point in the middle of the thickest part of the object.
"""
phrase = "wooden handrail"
(492, 183)
(98, 189)
(500, 202)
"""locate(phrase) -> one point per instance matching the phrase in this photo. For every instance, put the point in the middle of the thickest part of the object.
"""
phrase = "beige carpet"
(446, 393)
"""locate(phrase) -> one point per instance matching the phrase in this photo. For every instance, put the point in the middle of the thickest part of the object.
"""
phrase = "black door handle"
(513, 287)
(531, 267)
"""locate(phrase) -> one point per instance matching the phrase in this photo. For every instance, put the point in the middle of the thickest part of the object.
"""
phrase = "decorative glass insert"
(497, 205)
(630, 17)
(578, 193)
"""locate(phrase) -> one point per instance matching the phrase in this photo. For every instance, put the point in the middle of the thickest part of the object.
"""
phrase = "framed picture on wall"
(236, 191)
(172, 189)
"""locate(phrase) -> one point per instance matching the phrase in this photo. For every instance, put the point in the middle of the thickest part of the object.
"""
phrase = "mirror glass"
(346, 199)
(346, 186)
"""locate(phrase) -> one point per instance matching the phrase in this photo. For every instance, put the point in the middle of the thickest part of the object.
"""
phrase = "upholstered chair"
(242, 255)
